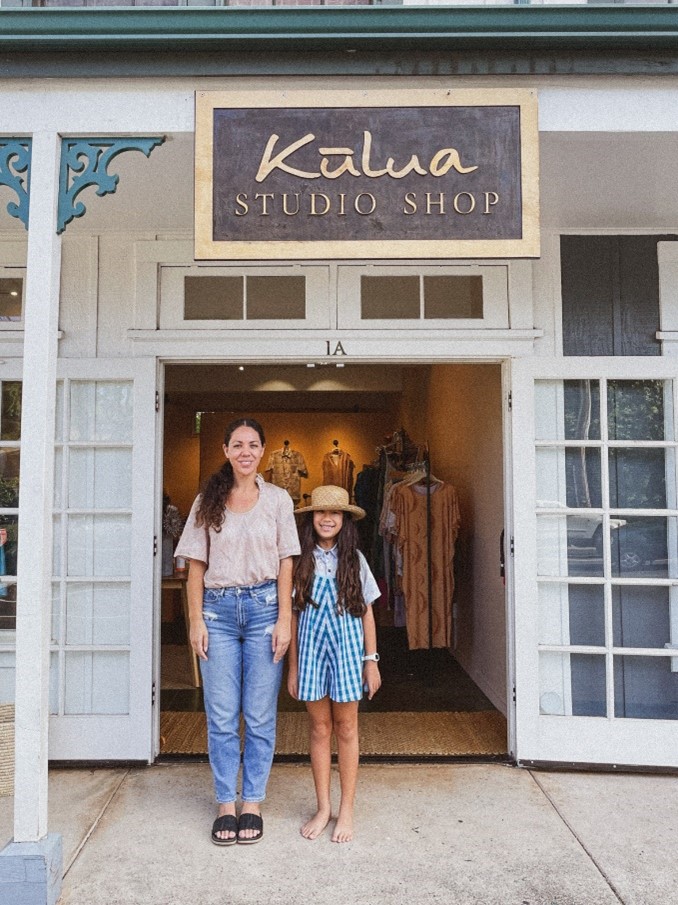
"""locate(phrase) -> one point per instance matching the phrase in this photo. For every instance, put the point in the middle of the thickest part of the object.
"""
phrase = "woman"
(240, 538)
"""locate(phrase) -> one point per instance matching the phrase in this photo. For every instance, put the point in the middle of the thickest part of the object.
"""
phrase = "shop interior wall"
(311, 433)
(189, 457)
(458, 410)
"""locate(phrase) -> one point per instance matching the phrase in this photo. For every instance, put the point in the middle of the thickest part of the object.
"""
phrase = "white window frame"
(495, 297)
(172, 297)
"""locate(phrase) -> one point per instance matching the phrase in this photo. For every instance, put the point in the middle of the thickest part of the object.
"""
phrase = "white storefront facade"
(586, 672)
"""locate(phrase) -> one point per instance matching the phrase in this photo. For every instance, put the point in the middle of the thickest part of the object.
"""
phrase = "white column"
(34, 564)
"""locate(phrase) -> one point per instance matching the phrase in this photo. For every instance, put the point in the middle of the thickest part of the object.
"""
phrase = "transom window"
(244, 297)
(11, 295)
(464, 296)
(421, 297)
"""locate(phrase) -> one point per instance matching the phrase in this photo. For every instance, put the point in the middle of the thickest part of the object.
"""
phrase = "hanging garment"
(287, 467)
(338, 469)
(409, 533)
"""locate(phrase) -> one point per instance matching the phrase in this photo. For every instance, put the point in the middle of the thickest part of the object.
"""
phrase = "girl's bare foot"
(316, 825)
(343, 829)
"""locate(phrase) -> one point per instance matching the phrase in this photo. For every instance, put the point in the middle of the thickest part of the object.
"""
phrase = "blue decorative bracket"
(15, 159)
(84, 162)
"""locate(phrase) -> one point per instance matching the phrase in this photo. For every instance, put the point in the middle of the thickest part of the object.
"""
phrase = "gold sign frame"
(207, 248)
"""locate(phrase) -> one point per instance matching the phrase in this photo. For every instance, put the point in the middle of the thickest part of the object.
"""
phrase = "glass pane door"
(101, 687)
(597, 562)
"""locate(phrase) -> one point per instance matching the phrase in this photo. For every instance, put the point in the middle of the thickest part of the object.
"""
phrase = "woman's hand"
(198, 637)
(282, 634)
(293, 683)
(371, 678)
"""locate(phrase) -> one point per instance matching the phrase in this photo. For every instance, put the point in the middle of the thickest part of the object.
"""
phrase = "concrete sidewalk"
(454, 834)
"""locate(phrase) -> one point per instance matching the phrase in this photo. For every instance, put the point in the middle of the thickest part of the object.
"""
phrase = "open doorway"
(444, 684)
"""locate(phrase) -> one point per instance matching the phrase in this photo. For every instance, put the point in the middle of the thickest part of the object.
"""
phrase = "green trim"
(509, 29)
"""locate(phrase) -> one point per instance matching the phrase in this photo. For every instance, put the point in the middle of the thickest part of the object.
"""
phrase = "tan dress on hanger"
(408, 504)
(338, 470)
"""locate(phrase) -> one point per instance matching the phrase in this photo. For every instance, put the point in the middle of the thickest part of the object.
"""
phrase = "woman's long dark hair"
(211, 509)
(350, 597)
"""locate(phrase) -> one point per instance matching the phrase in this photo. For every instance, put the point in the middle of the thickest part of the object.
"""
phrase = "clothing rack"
(402, 454)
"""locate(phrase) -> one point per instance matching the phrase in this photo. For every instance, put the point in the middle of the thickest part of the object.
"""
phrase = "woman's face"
(244, 451)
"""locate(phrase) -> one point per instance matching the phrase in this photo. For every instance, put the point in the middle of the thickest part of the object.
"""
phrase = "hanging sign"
(368, 174)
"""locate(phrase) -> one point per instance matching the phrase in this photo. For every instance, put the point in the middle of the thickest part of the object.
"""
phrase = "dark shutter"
(610, 293)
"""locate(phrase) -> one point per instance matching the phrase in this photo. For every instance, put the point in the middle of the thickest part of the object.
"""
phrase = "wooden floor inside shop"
(427, 706)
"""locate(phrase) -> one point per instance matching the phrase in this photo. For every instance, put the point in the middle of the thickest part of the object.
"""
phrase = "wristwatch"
(374, 656)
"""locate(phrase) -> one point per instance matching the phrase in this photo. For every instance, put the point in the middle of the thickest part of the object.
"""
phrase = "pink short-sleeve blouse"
(248, 548)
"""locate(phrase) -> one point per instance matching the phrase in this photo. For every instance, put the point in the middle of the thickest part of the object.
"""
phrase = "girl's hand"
(293, 684)
(198, 637)
(282, 635)
(371, 678)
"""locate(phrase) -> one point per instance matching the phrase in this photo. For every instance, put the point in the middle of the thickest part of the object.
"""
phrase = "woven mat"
(425, 734)
(6, 749)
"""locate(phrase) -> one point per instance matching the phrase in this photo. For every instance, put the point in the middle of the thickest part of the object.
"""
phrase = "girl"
(333, 653)
(240, 538)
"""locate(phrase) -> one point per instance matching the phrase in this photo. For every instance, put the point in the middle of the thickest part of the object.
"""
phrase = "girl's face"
(327, 524)
(244, 451)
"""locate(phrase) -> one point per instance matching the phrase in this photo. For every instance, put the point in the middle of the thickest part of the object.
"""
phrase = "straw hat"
(331, 497)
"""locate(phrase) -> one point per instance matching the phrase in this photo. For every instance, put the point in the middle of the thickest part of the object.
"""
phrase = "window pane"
(9, 478)
(10, 410)
(641, 616)
(389, 297)
(569, 545)
(9, 533)
(99, 546)
(636, 409)
(638, 478)
(571, 614)
(646, 688)
(453, 296)
(97, 614)
(54, 682)
(100, 479)
(7, 610)
(7, 676)
(640, 547)
(97, 682)
(59, 426)
(572, 684)
(567, 410)
(270, 298)
(213, 298)
(11, 294)
(56, 612)
(568, 477)
(101, 411)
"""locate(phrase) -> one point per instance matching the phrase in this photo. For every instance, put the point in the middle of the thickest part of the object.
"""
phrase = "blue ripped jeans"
(239, 675)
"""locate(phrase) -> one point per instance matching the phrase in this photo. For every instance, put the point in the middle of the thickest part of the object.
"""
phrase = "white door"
(101, 684)
(596, 560)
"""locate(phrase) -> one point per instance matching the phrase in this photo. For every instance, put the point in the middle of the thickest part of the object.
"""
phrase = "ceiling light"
(241, 368)
(310, 364)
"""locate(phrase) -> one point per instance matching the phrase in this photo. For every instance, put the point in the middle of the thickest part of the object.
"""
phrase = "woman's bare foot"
(249, 807)
(316, 825)
(343, 829)
(228, 808)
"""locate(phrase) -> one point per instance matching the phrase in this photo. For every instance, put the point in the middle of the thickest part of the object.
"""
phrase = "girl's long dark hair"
(350, 597)
(211, 509)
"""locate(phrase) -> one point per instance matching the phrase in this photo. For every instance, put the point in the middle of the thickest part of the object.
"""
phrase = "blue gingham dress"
(331, 646)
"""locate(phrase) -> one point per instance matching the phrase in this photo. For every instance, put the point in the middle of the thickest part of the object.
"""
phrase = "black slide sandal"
(251, 822)
(225, 824)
